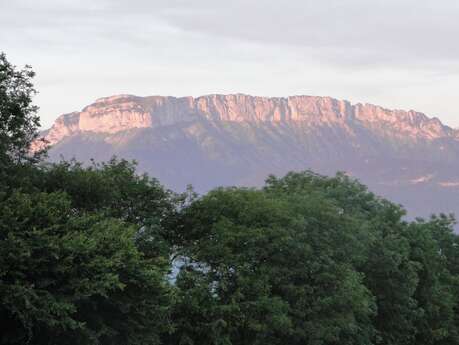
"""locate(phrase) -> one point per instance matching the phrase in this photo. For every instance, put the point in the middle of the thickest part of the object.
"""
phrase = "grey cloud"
(346, 32)
(360, 30)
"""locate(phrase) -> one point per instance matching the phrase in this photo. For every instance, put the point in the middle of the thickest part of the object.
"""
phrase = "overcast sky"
(396, 53)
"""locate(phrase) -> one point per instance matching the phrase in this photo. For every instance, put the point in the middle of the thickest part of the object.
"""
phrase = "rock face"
(123, 112)
(239, 139)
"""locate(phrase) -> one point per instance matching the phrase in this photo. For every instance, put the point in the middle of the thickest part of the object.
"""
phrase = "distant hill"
(238, 139)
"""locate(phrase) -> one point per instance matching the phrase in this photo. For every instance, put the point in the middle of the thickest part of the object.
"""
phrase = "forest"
(100, 254)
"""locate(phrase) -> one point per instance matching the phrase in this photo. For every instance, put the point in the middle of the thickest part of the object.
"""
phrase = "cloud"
(343, 32)
(359, 31)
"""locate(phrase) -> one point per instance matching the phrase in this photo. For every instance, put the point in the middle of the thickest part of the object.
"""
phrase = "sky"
(400, 54)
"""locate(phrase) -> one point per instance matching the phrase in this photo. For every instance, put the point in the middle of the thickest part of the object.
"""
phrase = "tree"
(19, 124)
(116, 190)
(75, 279)
(83, 259)
(379, 249)
(19, 121)
(271, 269)
(434, 249)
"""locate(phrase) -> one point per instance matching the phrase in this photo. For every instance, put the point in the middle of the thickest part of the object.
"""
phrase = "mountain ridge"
(232, 139)
(262, 109)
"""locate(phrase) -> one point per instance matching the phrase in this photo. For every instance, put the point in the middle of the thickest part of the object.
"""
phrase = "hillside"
(239, 139)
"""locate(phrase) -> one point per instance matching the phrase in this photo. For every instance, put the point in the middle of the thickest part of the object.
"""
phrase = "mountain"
(239, 139)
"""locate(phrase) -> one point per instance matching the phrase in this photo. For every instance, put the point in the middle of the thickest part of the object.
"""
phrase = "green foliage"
(313, 260)
(434, 249)
(75, 279)
(18, 116)
(83, 257)
(274, 274)
(114, 189)
(18, 122)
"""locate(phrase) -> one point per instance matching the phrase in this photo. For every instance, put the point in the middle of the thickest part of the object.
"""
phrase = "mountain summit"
(239, 139)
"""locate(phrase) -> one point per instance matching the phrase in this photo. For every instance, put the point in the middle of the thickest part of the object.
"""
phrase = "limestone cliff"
(123, 112)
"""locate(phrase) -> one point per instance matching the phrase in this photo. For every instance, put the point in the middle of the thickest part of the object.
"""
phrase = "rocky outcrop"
(123, 112)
